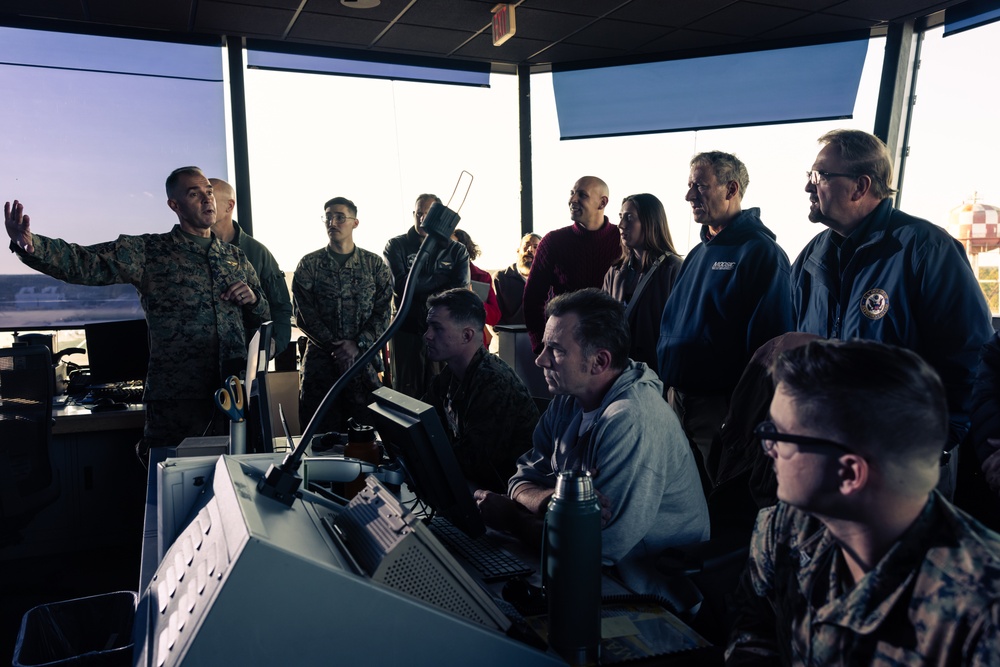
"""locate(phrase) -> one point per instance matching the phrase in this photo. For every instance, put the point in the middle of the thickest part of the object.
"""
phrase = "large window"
(379, 143)
(776, 156)
(91, 128)
(954, 136)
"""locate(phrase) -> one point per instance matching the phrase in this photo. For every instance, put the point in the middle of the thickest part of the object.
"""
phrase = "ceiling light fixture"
(361, 4)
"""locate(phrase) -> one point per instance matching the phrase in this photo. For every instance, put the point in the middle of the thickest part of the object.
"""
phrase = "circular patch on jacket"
(875, 304)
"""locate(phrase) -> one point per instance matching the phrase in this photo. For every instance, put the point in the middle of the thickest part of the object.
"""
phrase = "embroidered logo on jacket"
(875, 304)
(723, 266)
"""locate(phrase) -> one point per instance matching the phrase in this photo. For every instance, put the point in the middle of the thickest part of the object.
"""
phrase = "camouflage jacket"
(195, 338)
(934, 599)
(272, 281)
(333, 303)
(490, 417)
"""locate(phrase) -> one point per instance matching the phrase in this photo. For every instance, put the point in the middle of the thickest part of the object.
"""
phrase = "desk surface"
(81, 419)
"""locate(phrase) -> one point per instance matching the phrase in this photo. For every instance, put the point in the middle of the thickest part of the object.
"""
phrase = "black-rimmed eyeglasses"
(769, 438)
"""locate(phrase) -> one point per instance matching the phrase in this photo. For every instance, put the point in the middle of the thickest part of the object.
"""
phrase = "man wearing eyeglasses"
(340, 299)
(880, 274)
(862, 562)
(447, 268)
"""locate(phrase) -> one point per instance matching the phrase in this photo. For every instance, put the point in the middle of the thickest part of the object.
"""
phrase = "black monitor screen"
(117, 351)
(412, 434)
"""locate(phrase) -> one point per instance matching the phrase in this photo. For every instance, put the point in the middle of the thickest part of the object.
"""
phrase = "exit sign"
(503, 23)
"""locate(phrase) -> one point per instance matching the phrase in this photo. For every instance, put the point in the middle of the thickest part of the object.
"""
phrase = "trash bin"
(93, 631)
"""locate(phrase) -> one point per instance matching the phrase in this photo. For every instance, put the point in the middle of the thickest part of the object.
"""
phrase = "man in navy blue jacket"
(880, 274)
(731, 296)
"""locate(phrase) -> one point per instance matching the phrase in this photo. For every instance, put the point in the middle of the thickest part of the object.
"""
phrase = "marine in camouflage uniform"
(934, 599)
(862, 562)
(201, 298)
(490, 417)
(338, 297)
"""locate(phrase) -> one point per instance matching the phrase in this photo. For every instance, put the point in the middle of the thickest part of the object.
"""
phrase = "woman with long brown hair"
(644, 275)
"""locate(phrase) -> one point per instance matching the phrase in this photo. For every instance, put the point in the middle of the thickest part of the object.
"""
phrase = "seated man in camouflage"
(487, 410)
(862, 562)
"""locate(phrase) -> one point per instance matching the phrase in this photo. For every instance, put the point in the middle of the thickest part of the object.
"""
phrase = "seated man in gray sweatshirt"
(609, 417)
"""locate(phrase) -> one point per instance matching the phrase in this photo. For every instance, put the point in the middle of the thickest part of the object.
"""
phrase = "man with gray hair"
(731, 296)
(607, 416)
(880, 274)
(862, 562)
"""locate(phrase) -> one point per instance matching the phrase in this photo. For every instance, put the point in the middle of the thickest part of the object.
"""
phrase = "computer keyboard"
(492, 562)
(119, 391)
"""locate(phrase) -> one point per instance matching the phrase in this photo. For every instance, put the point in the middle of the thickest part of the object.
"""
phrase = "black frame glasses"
(769, 438)
(815, 175)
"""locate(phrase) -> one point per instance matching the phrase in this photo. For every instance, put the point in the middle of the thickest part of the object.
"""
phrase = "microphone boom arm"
(281, 482)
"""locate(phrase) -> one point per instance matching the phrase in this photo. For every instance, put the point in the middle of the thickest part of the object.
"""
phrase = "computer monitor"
(412, 434)
(118, 352)
(258, 357)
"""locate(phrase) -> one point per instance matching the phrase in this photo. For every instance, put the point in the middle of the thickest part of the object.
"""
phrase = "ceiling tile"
(423, 40)
(335, 29)
(804, 5)
(591, 8)
(887, 10)
(72, 10)
(515, 50)
(815, 23)
(224, 18)
(746, 19)
(565, 52)
(469, 16)
(548, 26)
(625, 34)
(675, 13)
(690, 40)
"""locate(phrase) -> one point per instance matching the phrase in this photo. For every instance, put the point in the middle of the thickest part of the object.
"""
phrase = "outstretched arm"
(18, 226)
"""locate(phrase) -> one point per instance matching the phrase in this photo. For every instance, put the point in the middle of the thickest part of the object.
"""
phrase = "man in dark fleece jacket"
(732, 295)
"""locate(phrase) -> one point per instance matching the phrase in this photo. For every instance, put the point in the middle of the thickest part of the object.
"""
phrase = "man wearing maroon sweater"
(571, 258)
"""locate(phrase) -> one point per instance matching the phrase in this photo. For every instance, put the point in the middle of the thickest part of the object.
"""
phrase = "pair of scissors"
(230, 398)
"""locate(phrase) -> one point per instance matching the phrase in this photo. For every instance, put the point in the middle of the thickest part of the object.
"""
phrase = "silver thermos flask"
(571, 568)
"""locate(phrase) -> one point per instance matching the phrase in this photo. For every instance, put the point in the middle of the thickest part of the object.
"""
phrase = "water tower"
(975, 225)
